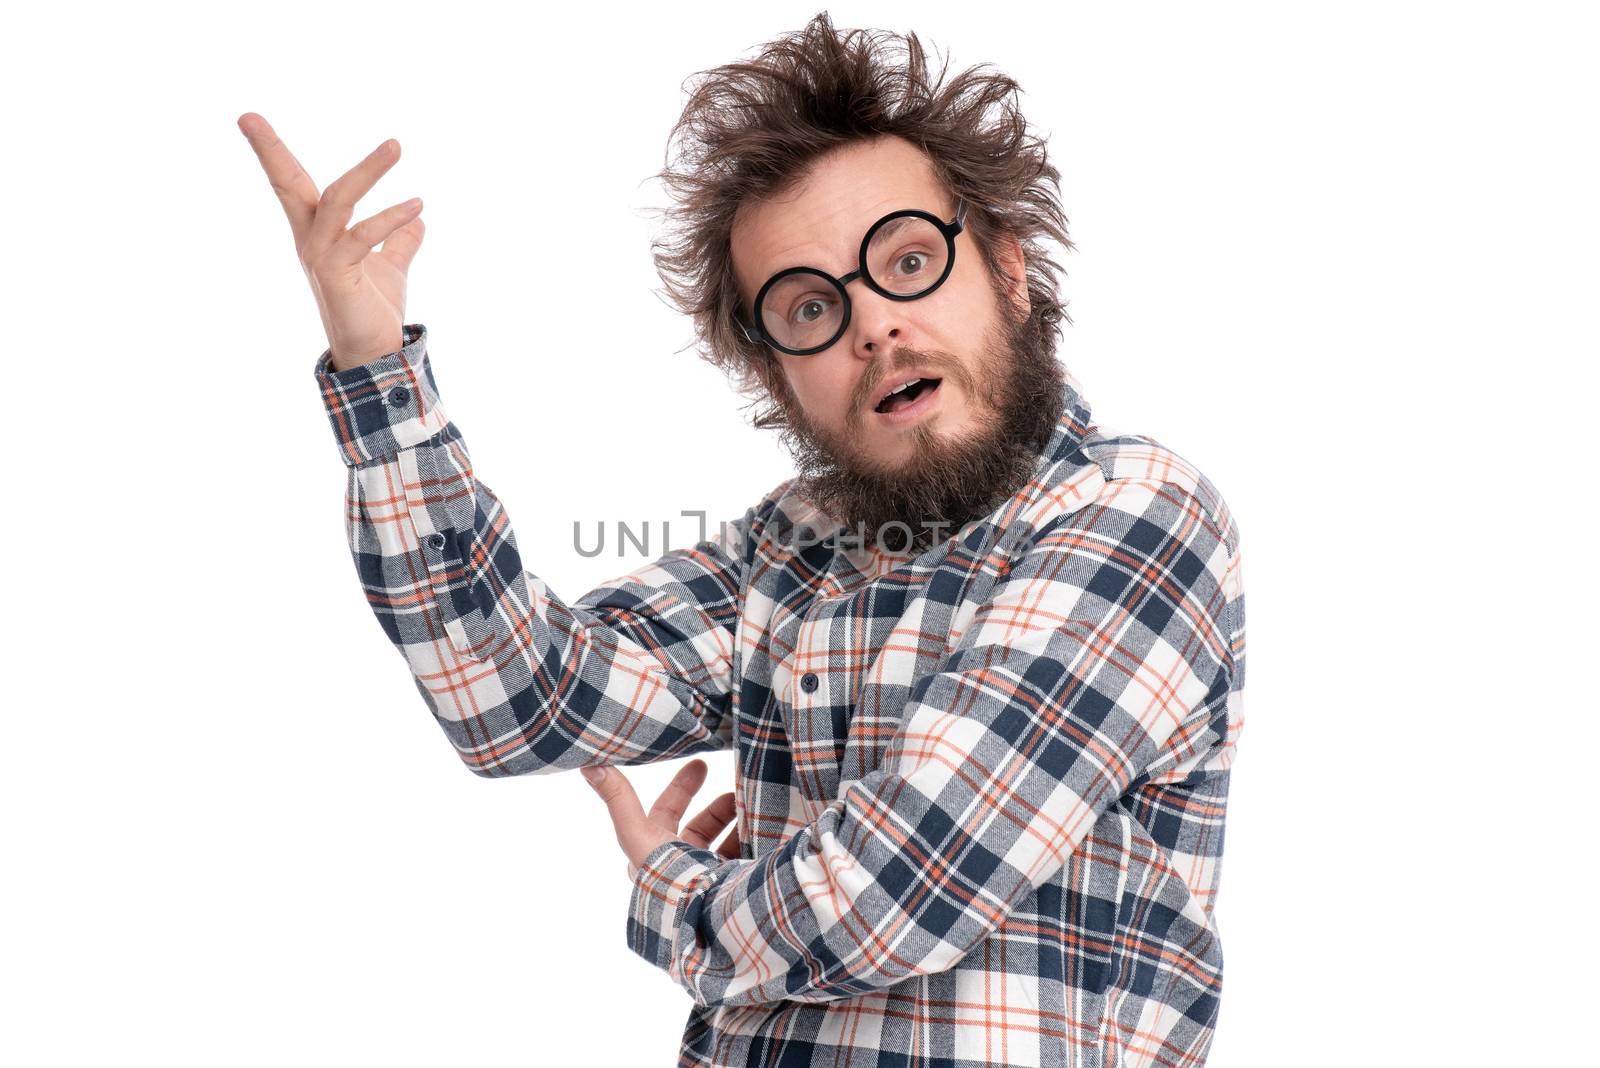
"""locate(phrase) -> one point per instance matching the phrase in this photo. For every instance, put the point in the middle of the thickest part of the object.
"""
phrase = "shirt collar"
(1072, 425)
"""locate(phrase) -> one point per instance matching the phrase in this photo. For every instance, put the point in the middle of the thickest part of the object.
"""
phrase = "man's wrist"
(378, 408)
(661, 887)
(345, 361)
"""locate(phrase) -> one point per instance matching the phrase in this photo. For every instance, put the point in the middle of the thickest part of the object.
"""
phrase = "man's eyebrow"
(894, 226)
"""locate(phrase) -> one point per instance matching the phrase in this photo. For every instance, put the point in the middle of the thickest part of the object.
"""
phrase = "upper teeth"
(902, 386)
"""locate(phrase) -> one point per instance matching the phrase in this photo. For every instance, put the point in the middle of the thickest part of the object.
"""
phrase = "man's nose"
(877, 324)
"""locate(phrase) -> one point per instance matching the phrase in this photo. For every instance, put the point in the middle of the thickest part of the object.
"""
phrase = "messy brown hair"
(752, 129)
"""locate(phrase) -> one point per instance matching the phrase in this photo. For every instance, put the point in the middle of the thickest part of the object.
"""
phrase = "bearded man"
(980, 661)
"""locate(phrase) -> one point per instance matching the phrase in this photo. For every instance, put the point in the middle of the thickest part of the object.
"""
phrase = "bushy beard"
(1015, 396)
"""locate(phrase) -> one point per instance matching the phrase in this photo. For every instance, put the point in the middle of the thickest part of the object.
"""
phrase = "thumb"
(622, 805)
(616, 791)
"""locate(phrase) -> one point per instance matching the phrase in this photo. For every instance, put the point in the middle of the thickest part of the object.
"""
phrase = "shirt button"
(398, 396)
(436, 540)
(808, 682)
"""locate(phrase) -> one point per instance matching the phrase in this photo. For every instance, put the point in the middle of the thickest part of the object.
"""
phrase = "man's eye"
(810, 311)
(916, 261)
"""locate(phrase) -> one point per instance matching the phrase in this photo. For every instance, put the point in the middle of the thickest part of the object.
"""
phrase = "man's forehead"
(777, 232)
(822, 221)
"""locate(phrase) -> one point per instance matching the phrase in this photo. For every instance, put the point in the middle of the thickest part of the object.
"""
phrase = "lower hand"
(639, 832)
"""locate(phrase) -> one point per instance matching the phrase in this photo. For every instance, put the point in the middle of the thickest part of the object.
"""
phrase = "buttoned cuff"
(666, 886)
(384, 405)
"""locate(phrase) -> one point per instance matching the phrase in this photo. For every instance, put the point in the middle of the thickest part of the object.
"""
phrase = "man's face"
(971, 437)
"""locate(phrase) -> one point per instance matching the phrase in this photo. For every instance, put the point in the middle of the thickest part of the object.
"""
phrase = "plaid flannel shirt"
(981, 789)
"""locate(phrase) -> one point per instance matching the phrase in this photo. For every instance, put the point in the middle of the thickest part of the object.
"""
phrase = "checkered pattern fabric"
(981, 787)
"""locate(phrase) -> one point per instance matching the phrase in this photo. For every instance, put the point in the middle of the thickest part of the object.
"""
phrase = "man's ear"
(1014, 271)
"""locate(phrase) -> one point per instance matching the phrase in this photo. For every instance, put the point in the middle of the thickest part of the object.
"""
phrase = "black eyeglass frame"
(757, 336)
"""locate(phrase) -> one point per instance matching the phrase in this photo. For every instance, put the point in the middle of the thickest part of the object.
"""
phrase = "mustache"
(941, 364)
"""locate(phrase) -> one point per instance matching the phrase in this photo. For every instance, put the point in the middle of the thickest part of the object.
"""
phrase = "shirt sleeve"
(639, 669)
(1102, 657)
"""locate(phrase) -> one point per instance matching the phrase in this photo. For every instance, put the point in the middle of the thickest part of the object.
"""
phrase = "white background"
(1341, 257)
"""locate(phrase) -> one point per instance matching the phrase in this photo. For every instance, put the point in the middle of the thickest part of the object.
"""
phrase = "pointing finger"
(296, 191)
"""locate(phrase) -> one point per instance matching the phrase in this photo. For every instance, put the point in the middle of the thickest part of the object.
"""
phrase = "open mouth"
(907, 395)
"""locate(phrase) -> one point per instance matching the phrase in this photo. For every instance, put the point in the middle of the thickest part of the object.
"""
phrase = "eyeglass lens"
(906, 257)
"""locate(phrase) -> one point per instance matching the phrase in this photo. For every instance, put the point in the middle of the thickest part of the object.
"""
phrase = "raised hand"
(360, 289)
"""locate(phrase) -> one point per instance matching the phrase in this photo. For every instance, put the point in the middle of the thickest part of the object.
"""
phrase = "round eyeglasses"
(905, 255)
